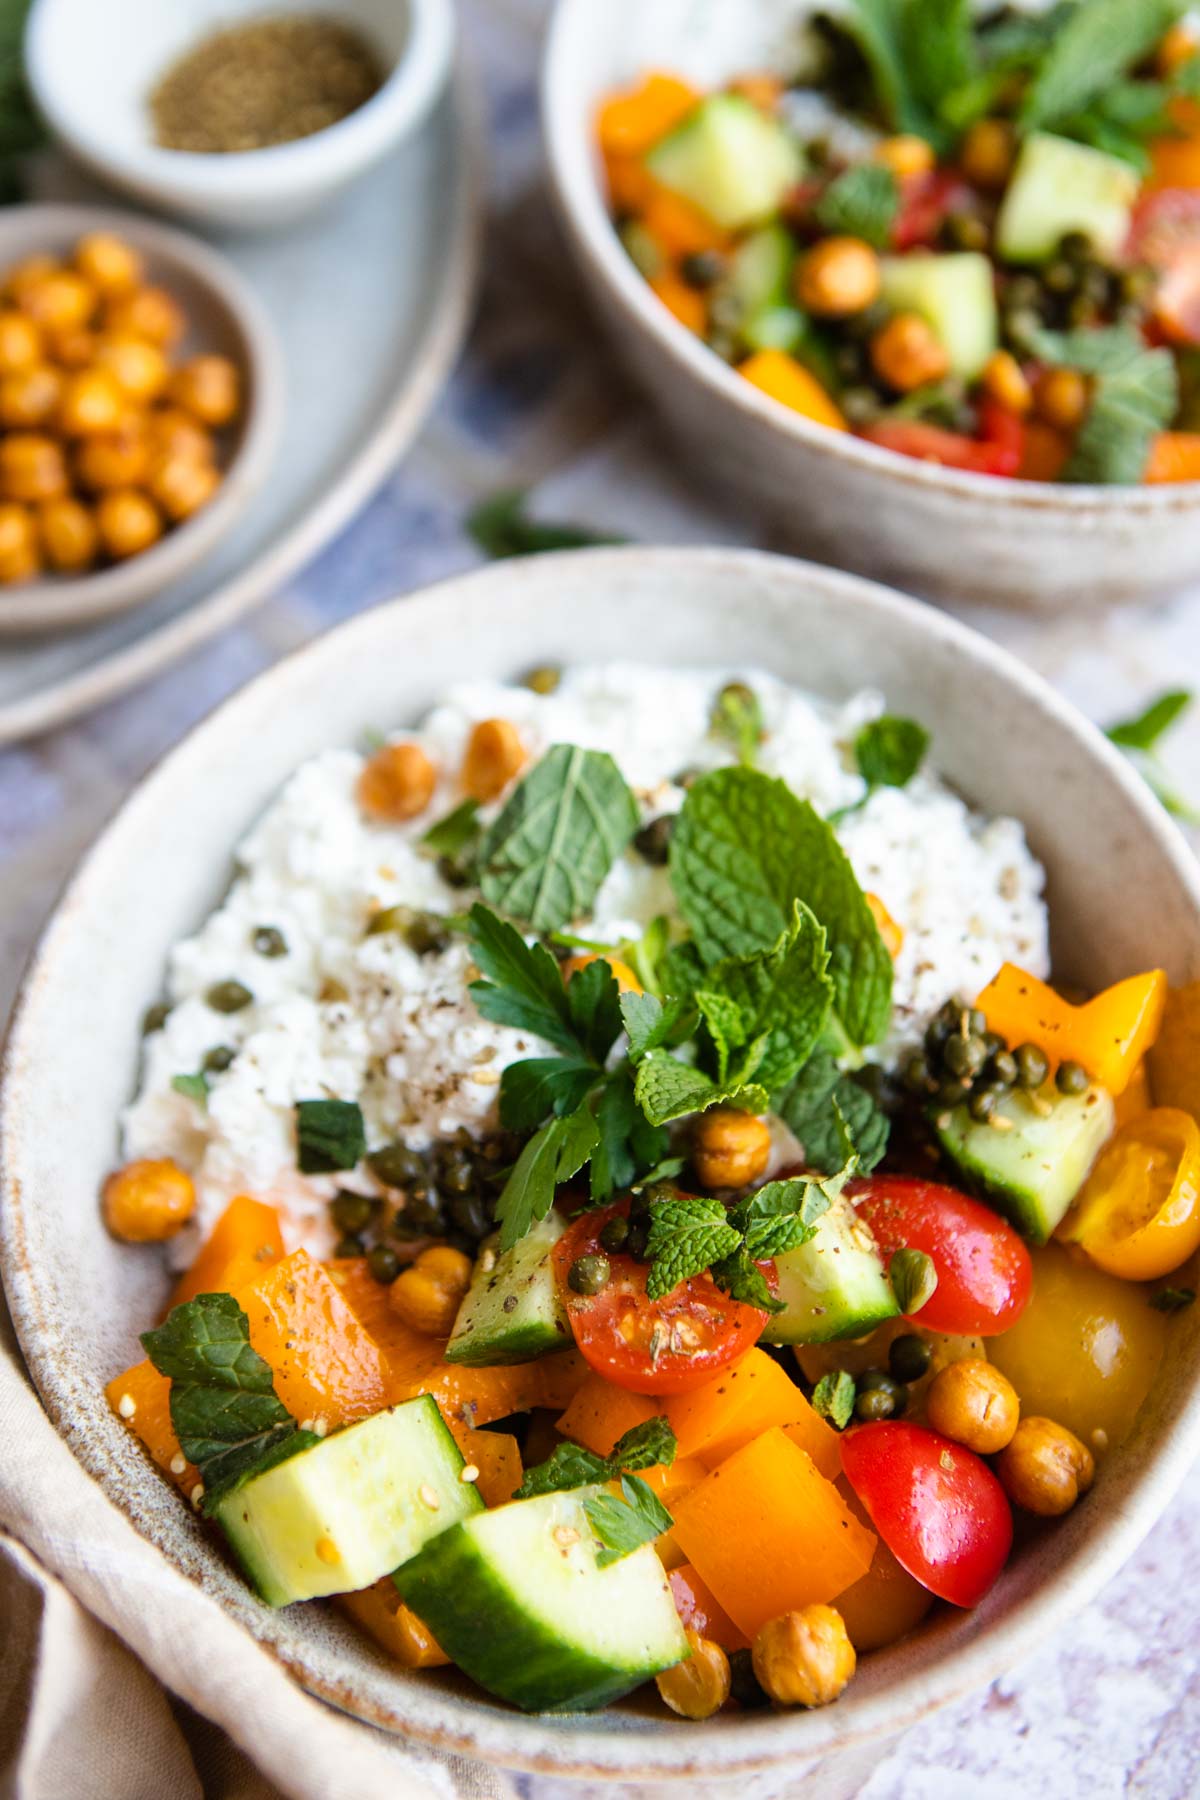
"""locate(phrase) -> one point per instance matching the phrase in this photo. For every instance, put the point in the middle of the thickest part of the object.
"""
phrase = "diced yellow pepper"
(775, 373)
(631, 122)
(1109, 1035)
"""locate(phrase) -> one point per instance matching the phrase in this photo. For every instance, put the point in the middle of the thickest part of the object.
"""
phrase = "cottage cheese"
(363, 1018)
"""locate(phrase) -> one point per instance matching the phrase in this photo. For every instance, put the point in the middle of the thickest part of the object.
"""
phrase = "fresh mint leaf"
(890, 750)
(668, 1089)
(330, 1135)
(561, 831)
(1129, 407)
(224, 1408)
(524, 986)
(822, 1105)
(648, 1446)
(740, 1278)
(555, 1153)
(456, 837)
(594, 1003)
(940, 57)
(737, 720)
(686, 1237)
(877, 28)
(501, 527)
(192, 1087)
(540, 1085)
(626, 1524)
(645, 956)
(833, 1398)
(744, 851)
(780, 1216)
(1144, 731)
(1099, 350)
(1100, 40)
(650, 1022)
(862, 202)
(570, 1466)
(775, 1004)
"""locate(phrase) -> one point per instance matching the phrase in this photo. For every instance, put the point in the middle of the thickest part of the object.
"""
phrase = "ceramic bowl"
(224, 316)
(91, 68)
(1124, 893)
(950, 535)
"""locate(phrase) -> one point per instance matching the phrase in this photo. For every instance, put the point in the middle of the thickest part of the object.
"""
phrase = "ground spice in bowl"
(268, 82)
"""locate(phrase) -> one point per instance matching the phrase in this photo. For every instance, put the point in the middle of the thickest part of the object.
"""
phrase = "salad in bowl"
(642, 1211)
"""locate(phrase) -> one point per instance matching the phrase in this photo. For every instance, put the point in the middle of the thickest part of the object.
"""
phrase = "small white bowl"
(1032, 545)
(93, 63)
(1124, 893)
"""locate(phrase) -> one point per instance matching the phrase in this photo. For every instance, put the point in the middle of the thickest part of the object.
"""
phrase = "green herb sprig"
(688, 1235)
(571, 1466)
(502, 527)
(1139, 738)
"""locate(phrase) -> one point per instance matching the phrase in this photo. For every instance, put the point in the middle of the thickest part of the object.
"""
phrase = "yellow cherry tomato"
(1175, 1059)
(1136, 1099)
(1138, 1214)
(1109, 1035)
(1085, 1351)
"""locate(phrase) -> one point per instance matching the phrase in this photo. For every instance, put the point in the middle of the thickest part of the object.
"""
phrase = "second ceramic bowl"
(1035, 546)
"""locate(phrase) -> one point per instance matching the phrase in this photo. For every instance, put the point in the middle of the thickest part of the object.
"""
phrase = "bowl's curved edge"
(480, 1729)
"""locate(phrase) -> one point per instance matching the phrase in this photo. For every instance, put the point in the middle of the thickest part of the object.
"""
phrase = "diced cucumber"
(343, 1514)
(1033, 1169)
(776, 328)
(956, 294)
(730, 160)
(512, 1311)
(1059, 186)
(756, 280)
(835, 1286)
(515, 1598)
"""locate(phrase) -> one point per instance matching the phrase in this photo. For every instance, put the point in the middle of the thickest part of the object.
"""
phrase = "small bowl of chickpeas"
(140, 409)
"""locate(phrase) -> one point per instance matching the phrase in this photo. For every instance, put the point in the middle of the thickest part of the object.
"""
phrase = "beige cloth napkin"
(87, 1607)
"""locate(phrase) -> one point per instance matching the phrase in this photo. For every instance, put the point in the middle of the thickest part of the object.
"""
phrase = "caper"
(724, 345)
(653, 841)
(878, 1402)
(966, 231)
(952, 1093)
(1060, 277)
(917, 1074)
(703, 268)
(873, 1378)
(984, 1101)
(909, 1357)
(1022, 291)
(1072, 1078)
(1021, 327)
(1033, 1065)
(589, 1274)
(455, 1174)
(964, 1056)
(866, 323)
(229, 997)
(686, 778)
(637, 1238)
(452, 872)
(976, 1022)
(1082, 311)
(399, 1167)
(218, 1059)
(470, 1215)
(850, 361)
(861, 405)
(1096, 284)
(544, 679)
(420, 1216)
(615, 1234)
(425, 933)
(994, 1043)
(1138, 285)
(1075, 246)
(383, 1263)
(744, 1685)
(1002, 1068)
(351, 1213)
(155, 1017)
(269, 941)
(350, 1245)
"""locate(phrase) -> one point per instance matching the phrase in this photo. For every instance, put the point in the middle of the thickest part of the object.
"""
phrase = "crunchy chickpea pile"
(699, 1686)
(804, 1658)
(730, 1149)
(1045, 1468)
(427, 1296)
(148, 1202)
(105, 442)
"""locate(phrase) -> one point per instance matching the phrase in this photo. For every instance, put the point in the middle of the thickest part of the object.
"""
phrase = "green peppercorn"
(866, 323)
(350, 1245)
(1033, 1065)
(544, 679)
(351, 1213)
(653, 841)
(964, 1056)
(1072, 1078)
(1002, 1069)
(589, 1274)
(155, 1017)
(615, 1234)
(703, 269)
(399, 1167)
(909, 1357)
(218, 1060)
(383, 1263)
(269, 941)
(229, 997)
(984, 1101)
(880, 1402)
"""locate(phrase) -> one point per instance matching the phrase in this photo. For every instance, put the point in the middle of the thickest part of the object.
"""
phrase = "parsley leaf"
(686, 1237)
(833, 1398)
(224, 1408)
(524, 986)
(501, 526)
(862, 202)
(192, 1087)
(890, 750)
(329, 1135)
(456, 836)
(743, 852)
(766, 1012)
(559, 834)
(626, 1524)
(594, 1003)
(540, 1085)
(555, 1153)
(629, 1144)
(822, 1106)
(668, 1089)
(1098, 42)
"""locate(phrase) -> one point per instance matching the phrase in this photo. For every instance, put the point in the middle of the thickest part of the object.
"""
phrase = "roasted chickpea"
(68, 534)
(988, 152)
(1061, 397)
(18, 534)
(108, 263)
(57, 301)
(30, 269)
(1045, 1468)
(698, 1686)
(804, 1658)
(139, 368)
(908, 353)
(30, 397)
(627, 981)
(838, 277)
(147, 312)
(114, 459)
(20, 342)
(129, 522)
(427, 1296)
(397, 783)
(73, 348)
(91, 402)
(1004, 381)
(32, 467)
(208, 387)
(175, 433)
(146, 1202)
(906, 156)
(494, 756)
(729, 1148)
(22, 565)
(973, 1403)
(182, 485)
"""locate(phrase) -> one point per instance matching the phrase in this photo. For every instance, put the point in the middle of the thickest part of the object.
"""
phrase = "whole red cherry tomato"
(937, 1507)
(984, 1271)
(1166, 235)
(666, 1346)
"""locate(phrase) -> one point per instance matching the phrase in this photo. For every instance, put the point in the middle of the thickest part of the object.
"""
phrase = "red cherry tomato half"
(1166, 234)
(938, 1508)
(984, 1271)
(666, 1346)
(925, 203)
(930, 443)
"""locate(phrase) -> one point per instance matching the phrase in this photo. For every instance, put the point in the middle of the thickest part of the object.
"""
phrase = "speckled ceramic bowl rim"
(571, 159)
(433, 1714)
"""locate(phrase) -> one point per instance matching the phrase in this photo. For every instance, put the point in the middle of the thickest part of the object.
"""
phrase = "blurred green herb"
(20, 128)
(502, 527)
(1139, 739)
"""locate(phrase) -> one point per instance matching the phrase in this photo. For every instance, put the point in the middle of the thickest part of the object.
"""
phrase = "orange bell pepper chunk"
(780, 376)
(629, 184)
(679, 228)
(1174, 455)
(1175, 158)
(601, 1412)
(670, 1481)
(140, 1399)
(381, 1612)
(631, 122)
(768, 1534)
(740, 1404)
(1109, 1035)
(700, 1611)
(1044, 452)
(684, 303)
(245, 1240)
(496, 1455)
(1138, 1213)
